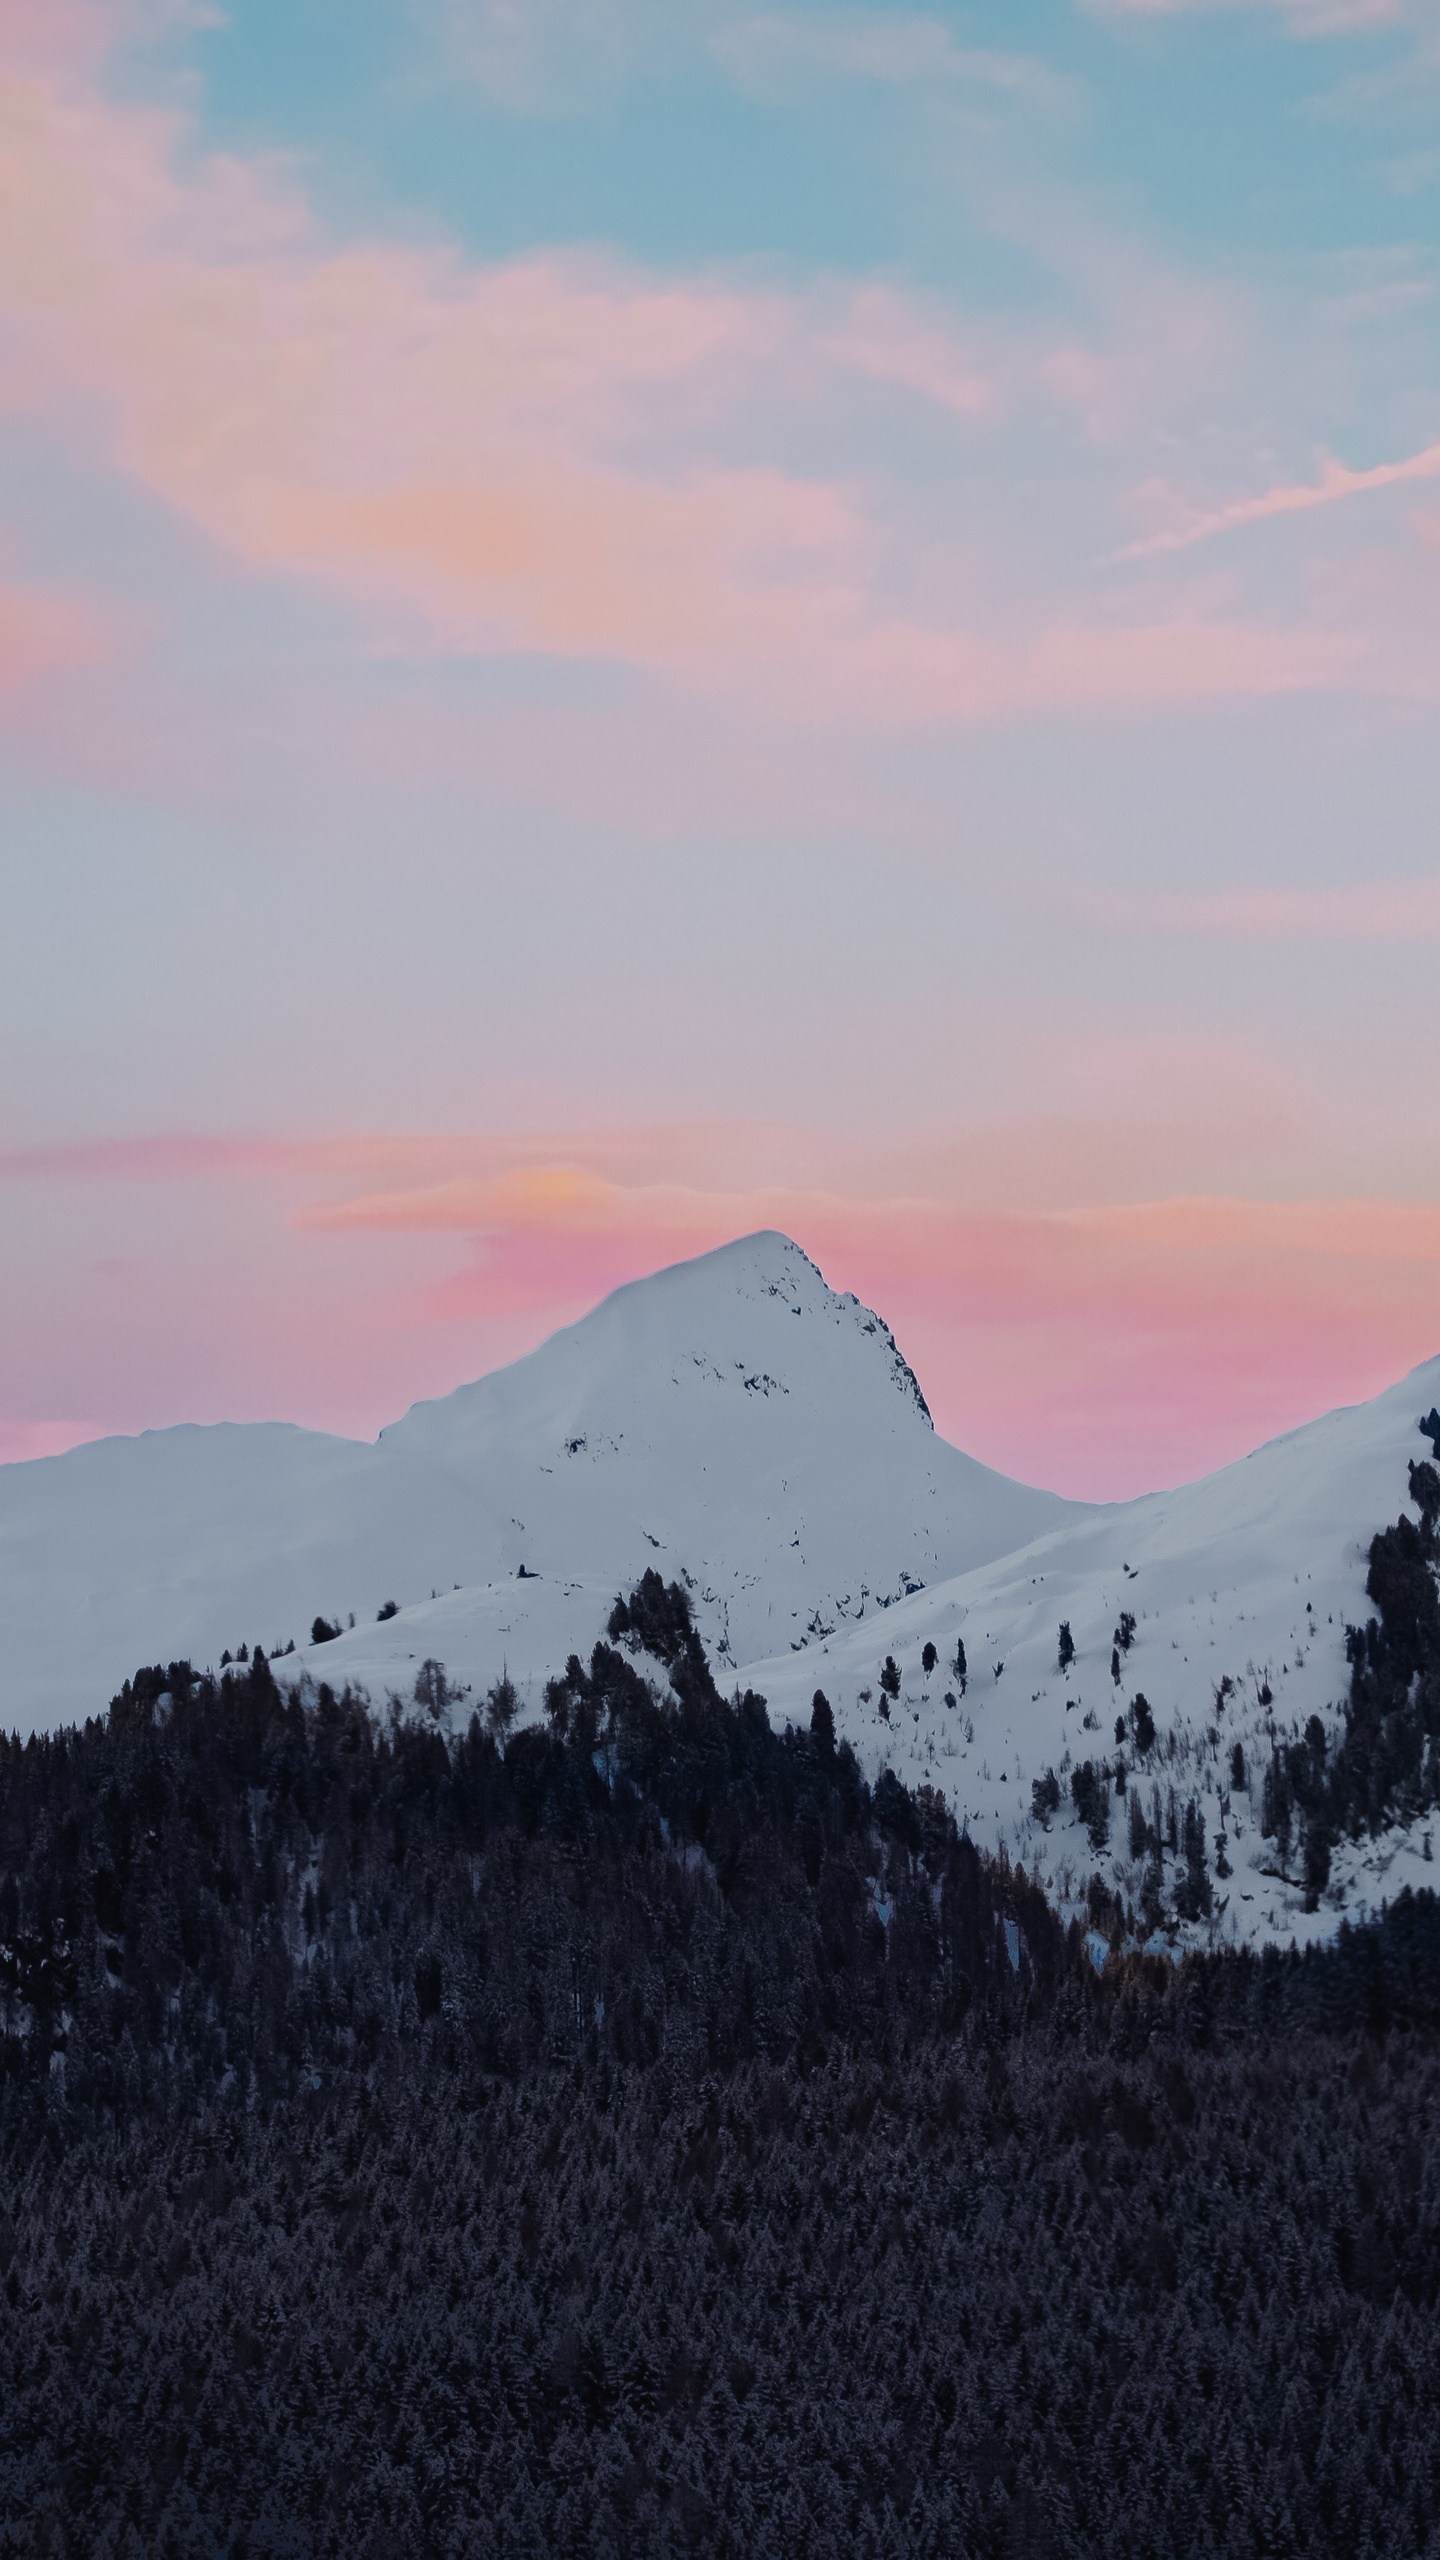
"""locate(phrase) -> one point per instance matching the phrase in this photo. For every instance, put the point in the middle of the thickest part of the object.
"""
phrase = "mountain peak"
(732, 1420)
(731, 1313)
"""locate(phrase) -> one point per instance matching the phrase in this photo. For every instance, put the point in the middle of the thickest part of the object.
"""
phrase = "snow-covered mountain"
(741, 1426)
(732, 1419)
(1240, 1587)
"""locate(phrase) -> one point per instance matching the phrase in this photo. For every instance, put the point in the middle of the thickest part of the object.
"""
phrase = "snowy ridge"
(732, 1419)
(1240, 1588)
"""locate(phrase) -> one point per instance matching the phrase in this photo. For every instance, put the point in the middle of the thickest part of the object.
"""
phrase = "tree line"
(637, 2134)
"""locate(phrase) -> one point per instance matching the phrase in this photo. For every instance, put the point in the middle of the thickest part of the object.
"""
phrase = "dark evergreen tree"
(502, 1706)
(1045, 1797)
(432, 1688)
(1090, 1789)
(1193, 1894)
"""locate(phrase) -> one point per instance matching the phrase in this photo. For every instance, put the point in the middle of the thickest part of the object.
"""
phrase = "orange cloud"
(577, 562)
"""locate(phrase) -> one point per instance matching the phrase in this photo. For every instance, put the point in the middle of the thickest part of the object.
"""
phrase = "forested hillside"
(638, 2136)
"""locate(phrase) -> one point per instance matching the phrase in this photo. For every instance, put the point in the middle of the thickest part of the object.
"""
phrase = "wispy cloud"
(1335, 484)
(891, 337)
(534, 457)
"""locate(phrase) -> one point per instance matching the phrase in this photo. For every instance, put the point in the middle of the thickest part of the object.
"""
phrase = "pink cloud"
(75, 37)
(524, 456)
(1335, 483)
(571, 1201)
(1141, 1112)
(885, 336)
(581, 564)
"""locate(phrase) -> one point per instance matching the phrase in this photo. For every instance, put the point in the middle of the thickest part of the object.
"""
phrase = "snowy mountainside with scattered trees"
(1149, 1694)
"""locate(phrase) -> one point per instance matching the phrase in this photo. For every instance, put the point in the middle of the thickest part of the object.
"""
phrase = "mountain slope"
(1247, 1578)
(732, 1418)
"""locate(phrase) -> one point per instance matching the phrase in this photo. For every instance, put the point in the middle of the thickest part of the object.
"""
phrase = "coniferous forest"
(636, 2135)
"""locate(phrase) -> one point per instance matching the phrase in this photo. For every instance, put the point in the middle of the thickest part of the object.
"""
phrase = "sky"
(621, 622)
